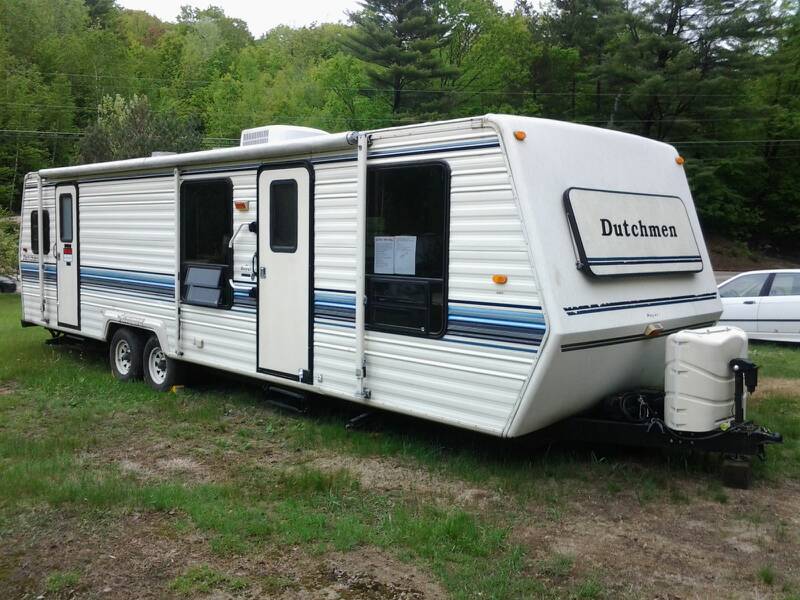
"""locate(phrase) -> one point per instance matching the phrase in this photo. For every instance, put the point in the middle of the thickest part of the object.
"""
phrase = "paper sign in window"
(384, 254)
(405, 255)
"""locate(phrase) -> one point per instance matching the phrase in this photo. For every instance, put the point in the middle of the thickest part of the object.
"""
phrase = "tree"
(399, 40)
(9, 238)
(130, 128)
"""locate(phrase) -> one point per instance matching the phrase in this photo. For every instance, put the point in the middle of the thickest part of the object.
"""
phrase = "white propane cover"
(698, 381)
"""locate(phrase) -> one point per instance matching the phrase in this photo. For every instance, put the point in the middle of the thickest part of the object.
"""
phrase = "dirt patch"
(384, 475)
(8, 387)
(367, 574)
(778, 386)
(157, 461)
(140, 555)
(701, 549)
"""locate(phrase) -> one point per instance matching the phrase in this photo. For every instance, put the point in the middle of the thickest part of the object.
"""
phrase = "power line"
(405, 91)
(673, 119)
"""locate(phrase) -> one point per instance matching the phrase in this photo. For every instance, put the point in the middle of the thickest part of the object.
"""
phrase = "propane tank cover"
(698, 381)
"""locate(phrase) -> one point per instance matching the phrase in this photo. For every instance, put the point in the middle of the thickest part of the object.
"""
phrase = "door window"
(65, 217)
(744, 286)
(406, 248)
(283, 216)
(785, 284)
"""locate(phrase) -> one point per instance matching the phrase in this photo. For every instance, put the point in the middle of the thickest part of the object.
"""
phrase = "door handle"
(263, 272)
(253, 262)
(749, 302)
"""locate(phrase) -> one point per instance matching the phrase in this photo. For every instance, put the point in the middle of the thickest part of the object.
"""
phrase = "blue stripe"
(493, 322)
(498, 322)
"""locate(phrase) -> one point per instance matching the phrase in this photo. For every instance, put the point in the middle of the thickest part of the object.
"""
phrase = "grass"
(204, 579)
(63, 414)
(767, 575)
(61, 581)
(776, 360)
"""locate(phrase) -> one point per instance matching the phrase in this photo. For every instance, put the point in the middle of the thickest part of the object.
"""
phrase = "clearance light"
(680, 160)
(520, 135)
(653, 330)
(241, 205)
(500, 279)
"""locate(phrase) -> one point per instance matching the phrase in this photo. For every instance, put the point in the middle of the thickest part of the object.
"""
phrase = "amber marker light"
(520, 135)
(500, 279)
(680, 160)
(241, 205)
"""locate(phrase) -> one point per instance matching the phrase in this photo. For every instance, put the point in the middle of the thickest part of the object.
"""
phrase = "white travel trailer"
(496, 273)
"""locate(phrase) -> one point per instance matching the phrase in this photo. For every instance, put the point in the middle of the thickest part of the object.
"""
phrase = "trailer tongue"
(707, 382)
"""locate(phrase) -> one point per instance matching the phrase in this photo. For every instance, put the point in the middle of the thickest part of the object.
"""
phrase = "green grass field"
(81, 455)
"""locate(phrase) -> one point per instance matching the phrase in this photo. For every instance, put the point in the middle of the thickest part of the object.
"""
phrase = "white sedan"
(766, 304)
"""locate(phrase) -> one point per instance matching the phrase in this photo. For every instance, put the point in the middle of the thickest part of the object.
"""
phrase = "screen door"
(67, 257)
(284, 196)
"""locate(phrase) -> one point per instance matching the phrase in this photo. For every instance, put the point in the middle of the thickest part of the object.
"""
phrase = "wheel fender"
(138, 321)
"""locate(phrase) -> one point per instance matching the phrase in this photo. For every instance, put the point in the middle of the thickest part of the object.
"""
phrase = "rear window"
(785, 284)
(35, 231)
(744, 286)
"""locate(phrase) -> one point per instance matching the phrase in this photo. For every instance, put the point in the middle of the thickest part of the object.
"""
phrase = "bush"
(9, 240)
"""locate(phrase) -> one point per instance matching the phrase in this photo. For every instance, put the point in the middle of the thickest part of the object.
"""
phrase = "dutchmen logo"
(638, 229)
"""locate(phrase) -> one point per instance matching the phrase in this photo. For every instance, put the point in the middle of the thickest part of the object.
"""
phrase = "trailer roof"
(303, 147)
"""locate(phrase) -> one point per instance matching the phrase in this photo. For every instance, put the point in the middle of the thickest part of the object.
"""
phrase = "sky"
(262, 15)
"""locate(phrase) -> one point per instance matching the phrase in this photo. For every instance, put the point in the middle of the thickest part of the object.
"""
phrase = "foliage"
(398, 39)
(718, 79)
(130, 128)
(9, 248)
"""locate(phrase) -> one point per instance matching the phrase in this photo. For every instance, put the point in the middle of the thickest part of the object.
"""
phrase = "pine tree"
(399, 40)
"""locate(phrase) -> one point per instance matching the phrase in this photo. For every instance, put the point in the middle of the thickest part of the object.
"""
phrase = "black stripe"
(590, 308)
(501, 305)
(627, 338)
(333, 291)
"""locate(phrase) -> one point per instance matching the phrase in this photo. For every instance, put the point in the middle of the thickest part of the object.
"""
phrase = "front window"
(744, 286)
(406, 248)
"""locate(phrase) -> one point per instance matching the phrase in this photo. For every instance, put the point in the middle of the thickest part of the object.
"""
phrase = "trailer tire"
(125, 355)
(160, 371)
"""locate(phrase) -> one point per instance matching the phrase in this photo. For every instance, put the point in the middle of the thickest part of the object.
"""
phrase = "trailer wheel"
(160, 371)
(125, 355)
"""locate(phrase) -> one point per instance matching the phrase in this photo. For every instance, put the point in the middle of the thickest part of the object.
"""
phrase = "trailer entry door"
(67, 256)
(284, 270)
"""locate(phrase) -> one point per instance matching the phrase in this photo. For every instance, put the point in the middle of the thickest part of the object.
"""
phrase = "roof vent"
(274, 134)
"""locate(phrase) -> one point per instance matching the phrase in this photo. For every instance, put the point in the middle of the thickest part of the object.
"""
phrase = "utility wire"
(405, 91)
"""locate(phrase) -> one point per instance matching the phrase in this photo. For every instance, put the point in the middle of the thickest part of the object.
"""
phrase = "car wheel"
(125, 355)
(160, 371)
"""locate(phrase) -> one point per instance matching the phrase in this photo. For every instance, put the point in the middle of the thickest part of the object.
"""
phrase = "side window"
(65, 217)
(785, 284)
(406, 253)
(283, 216)
(35, 231)
(206, 229)
(744, 286)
